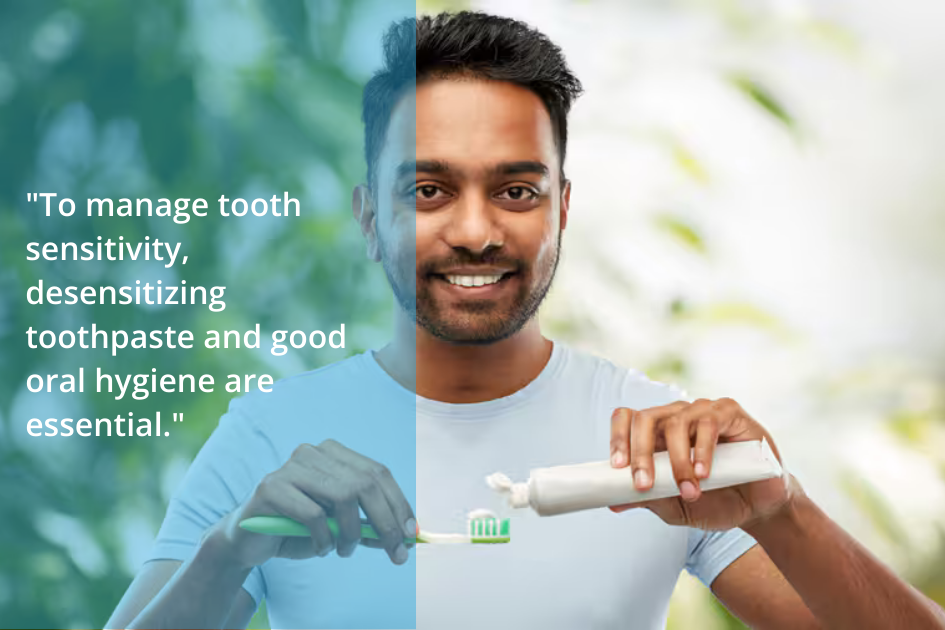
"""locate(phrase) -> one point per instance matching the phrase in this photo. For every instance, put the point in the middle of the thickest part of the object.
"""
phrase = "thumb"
(617, 509)
(667, 509)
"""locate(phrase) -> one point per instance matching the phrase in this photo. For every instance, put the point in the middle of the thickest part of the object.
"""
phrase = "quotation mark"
(180, 419)
(32, 197)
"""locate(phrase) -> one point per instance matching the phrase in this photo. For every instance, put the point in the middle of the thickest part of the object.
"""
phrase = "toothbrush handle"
(285, 526)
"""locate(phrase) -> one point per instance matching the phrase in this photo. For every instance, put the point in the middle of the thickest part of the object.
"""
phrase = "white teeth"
(473, 281)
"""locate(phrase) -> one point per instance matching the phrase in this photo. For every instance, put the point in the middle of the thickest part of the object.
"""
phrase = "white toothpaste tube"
(564, 489)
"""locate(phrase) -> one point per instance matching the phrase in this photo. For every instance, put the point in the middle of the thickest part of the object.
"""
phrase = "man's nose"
(473, 225)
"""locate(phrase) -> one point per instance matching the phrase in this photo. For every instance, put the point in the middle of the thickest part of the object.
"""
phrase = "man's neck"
(452, 373)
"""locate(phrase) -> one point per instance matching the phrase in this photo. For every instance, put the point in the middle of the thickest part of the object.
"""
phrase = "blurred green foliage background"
(158, 98)
(757, 212)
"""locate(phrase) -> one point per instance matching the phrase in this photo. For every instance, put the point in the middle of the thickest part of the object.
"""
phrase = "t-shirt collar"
(474, 411)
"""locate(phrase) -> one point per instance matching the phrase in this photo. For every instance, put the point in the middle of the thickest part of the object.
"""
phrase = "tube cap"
(518, 493)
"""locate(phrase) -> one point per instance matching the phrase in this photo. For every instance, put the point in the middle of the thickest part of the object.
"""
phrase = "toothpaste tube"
(564, 489)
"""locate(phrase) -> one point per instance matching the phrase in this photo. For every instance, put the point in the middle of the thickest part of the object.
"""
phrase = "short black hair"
(466, 44)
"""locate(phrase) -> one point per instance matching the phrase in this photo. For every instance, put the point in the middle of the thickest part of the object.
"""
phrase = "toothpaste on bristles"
(482, 528)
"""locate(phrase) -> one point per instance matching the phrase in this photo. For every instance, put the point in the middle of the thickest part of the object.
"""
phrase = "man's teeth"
(473, 281)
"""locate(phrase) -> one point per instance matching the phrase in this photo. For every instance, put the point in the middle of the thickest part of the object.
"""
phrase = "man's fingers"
(374, 543)
(382, 518)
(707, 436)
(399, 504)
(642, 444)
(328, 481)
(339, 481)
(349, 526)
(676, 431)
(355, 488)
(680, 429)
(296, 505)
(643, 440)
(620, 436)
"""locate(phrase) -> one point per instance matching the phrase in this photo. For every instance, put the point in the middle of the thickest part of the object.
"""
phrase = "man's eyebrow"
(525, 167)
(407, 169)
(439, 167)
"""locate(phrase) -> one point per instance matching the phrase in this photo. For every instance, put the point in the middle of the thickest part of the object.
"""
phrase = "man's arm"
(841, 583)
(835, 577)
(160, 582)
(205, 592)
(754, 590)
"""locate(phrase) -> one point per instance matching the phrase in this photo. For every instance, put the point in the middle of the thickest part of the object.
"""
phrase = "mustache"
(470, 259)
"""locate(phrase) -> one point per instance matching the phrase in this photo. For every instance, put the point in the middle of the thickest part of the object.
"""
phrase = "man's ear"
(362, 206)
(565, 202)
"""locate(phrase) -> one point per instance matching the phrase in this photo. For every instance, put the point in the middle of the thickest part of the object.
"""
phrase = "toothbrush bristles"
(479, 531)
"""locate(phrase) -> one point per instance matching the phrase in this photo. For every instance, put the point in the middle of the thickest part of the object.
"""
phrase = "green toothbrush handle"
(285, 526)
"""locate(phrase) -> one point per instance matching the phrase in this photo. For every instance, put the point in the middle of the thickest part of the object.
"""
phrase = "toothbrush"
(479, 530)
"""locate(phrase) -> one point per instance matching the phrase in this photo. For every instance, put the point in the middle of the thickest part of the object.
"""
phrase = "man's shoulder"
(327, 375)
(341, 384)
(347, 372)
(630, 386)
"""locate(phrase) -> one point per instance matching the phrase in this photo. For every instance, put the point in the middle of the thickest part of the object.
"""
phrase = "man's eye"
(426, 192)
(519, 193)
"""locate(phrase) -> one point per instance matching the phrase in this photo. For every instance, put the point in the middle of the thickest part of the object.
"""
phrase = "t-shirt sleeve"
(226, 470)
(711, 552)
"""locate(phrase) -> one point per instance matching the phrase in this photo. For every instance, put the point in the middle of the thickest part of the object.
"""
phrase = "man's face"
(470, 208)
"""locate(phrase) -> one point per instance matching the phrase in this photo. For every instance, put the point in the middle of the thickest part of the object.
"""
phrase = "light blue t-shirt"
(591, 569)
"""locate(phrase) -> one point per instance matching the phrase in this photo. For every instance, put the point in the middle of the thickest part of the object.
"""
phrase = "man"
(465, 207)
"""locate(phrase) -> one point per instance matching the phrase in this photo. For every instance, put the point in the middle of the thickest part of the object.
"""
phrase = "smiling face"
(470, 208)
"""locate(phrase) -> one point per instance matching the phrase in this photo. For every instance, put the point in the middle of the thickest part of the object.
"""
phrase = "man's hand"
(678, 428)
(320, 481)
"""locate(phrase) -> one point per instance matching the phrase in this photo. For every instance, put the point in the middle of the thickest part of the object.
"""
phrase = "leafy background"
(756, 214)
(165, 99)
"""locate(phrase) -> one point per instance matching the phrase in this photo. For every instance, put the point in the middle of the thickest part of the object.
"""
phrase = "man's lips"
(478, 270)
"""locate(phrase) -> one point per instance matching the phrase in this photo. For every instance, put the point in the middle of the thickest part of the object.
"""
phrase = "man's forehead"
(470, 125)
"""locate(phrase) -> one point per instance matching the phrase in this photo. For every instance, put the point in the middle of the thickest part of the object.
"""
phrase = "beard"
(472, 321)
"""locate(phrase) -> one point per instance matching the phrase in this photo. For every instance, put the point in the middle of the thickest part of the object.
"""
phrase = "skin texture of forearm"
(200, 595)
(839, 580)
